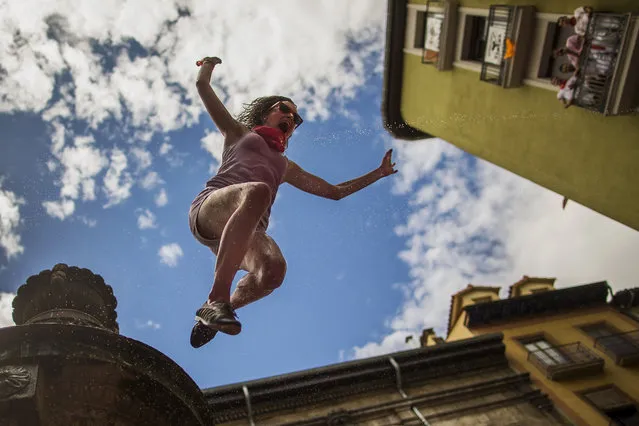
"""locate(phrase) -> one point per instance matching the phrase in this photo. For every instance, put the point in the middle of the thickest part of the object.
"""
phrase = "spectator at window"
(599, 60)
(591, 93)
(592, 68)
(566, 89)
(574, 45)
(579, 21)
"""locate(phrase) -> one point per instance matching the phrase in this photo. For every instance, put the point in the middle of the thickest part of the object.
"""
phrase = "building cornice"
(336, 381)
(442, 397)
(546, 303)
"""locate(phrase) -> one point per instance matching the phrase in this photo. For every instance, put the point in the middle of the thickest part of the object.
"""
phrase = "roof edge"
(526, 279)
(455, 297)
(332, 371)
(585, 295)
(393, 74)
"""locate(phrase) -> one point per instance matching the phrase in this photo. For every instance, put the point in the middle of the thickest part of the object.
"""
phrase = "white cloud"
(341, 355)
(59, 209)
(151, 180)
(6, 309)
(213, 143)
(142, 83)
(487, 226)
(170, 254)
(148, 324)
(58, 137)
(146, 220)
(91, 223)
(10, 240)
(173, 157)
(165, 148)
(162, 198)
(117, 182)
(81, 164)
(48, 52)
(394, 342)
(142, 157)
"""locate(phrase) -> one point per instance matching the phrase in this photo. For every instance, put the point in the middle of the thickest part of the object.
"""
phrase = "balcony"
(566, 361)
(509, 37)
(623, 348)
(608, 82)
(440, 26)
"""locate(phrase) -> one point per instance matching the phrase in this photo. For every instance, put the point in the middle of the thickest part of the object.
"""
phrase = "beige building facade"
(468, 382)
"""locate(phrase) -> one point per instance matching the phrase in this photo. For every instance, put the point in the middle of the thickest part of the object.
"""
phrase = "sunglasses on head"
(287, 110)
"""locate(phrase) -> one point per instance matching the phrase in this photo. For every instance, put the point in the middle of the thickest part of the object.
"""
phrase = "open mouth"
(284, 126)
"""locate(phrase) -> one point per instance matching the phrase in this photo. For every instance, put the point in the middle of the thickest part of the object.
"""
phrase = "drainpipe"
(247, 398)
(398, 378)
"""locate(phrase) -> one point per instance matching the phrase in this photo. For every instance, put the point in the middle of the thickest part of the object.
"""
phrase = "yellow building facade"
(579, 348)
(479, 74)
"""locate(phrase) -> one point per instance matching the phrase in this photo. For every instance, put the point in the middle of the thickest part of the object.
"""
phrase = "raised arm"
(226, 124)
(312, 184)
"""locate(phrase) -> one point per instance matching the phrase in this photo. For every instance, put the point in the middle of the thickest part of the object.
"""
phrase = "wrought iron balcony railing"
(566, 361)
(623, 348)
(508, 42)
(599, 59)
(498, 30)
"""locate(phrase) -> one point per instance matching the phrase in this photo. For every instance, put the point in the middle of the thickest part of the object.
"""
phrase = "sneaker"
(219, 316)
(201, 335)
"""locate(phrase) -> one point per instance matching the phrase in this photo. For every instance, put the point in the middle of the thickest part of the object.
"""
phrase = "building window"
(538, 290)
(559, 362)
(474, 43)
(484, 299)
(544, 351)
(615, 404)
(599, 329)
(551, 66)
(623, 348)
(420, 30)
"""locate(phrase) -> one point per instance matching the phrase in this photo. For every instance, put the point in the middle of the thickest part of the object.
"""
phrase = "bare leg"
(232, 213)
(266, 270)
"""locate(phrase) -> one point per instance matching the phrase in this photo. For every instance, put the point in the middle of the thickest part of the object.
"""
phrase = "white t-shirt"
(568, 92)
(581, 16)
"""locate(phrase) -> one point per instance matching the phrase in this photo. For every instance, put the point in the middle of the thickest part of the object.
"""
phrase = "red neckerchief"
(273, 136)
(562, 85)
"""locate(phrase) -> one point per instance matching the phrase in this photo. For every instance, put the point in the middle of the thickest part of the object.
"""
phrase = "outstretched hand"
(209, 59)
(387, 167)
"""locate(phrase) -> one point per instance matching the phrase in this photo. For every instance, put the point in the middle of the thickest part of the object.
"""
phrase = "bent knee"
(258, 193)
(273, 272)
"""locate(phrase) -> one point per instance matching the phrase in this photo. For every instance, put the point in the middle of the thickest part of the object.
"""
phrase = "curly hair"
(254, 112)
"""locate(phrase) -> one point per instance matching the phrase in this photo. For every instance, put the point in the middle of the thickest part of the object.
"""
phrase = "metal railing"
(498, 30)
(573, 359)
(623, 348)
(431, 56)
(598, 59)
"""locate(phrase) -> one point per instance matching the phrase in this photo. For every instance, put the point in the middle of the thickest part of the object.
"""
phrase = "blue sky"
(105, 144)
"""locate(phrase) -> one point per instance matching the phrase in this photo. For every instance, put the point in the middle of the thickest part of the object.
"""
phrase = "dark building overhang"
(337, 381)
(546, 303)
(393, 74)
(626, 299)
